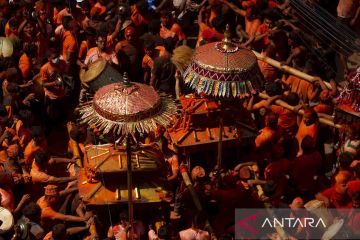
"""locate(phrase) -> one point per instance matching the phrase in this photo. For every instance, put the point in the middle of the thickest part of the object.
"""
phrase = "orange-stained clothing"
(48, 74)
(262, 29)
(175, 30)
(148, 62)
(287, 121)
(58, 16)
(137, 18)
(347, 8)
(69, 45)
(38, 175)
(304, 131)
(9, 32)
(31, 149)
(23, 134)
(269, 72)
(48, 236)
(267, 136)
(250, 3)
(25, 66)
(202, 27)
(305, 89)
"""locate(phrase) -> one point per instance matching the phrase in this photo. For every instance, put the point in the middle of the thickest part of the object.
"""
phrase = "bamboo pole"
(301, 112)
(288, 69)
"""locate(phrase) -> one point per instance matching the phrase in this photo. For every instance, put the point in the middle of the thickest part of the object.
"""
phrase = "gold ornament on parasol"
(125, 107)
(223, 69)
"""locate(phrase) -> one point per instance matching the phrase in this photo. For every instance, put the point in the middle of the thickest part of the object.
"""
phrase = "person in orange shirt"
(25, 61)
(307, 127)
(151, 53)
(69, 41)
(88, 43)
(48, 73)
(49, 212)
(37, 143)
(100, 52)
(269, 72)
(169, 28)
(39, 167)
(267, 135)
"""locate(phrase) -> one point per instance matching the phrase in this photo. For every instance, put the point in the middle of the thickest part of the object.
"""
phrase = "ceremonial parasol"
(223, 69)
(124, 107)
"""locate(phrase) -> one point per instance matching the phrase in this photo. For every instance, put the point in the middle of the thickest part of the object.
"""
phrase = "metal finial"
(126, 79)
(227, 34)
(226, 45)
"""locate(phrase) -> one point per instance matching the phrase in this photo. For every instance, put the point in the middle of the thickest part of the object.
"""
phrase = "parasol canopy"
(223, 69)
(123, 108)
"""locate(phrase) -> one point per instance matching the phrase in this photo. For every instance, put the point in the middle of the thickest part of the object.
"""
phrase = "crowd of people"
(297, 158)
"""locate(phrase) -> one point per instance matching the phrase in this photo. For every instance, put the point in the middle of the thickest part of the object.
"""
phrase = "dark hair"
(75, 134)
(52, 51)
(199, 219)
(356, 195)
(345, 159)
(12, 87)
(163, 232)
(218, 23)
(32, 211)
(30, 50)
(58, 230)
(295, 37)
(154, 26)
(149, 44)
(165, 13)
(271, 14)
(169, 43)
(41, 158)
(35, 131)
(273, 88)
(292, 99)
(89, 31)
(3, 112)
(308, 143)
(66, 20)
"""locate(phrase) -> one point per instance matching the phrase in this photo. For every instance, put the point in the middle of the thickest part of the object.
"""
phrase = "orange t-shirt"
(287, 121)
(304, 131)
(47, 72)
(175, 30)
(269, 72)
(69, 44)
(25, 65)
(303, 88)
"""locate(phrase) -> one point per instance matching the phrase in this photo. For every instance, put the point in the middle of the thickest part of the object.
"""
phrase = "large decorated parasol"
(223, 69)
(124, 107)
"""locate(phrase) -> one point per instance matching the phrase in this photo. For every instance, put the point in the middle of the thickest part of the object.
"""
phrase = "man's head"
(124, 217)
(356, 199)
(166, 18)
(310, 116)
(41, 159)
(13, 151)
(100, 42)
(36, 134)
(54, 57)
(32, 211)
(341, 181)
(197, 173)
(51, 194)
(149, 47)
(130, 34)
(90, 34)
(307, 144)
(199, 220)
(292, 99)
(30, 50)
(59, 232)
